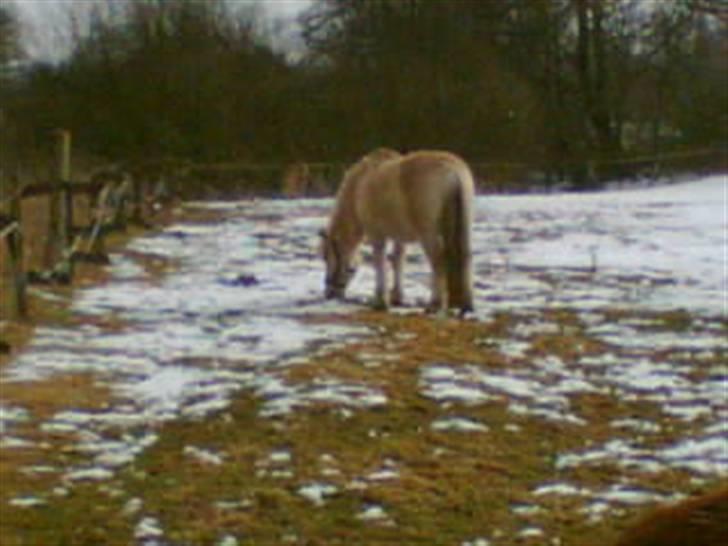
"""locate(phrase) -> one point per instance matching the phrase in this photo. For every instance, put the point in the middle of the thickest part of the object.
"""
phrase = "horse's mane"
(354, 173)
(344, 216)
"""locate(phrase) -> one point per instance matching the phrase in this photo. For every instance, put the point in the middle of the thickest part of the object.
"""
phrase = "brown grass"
(451, 487)
(87, 519)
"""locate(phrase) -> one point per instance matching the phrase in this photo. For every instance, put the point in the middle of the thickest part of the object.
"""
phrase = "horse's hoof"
(438, 314)
(435, 309)
(379, 305)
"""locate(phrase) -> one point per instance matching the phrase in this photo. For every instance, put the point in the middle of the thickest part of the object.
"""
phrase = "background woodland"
(550, 84)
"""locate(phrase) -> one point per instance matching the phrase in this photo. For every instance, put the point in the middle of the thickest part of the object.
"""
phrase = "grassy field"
(382, 476)
(422, 468)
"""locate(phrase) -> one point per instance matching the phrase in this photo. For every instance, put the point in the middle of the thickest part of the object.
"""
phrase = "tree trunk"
(592, 74)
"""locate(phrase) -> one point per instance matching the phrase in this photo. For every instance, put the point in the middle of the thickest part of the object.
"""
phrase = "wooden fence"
(313, 179)
(10, 231)
(113, 202)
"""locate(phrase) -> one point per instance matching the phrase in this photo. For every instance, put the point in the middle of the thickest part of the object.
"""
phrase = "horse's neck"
(345, 221)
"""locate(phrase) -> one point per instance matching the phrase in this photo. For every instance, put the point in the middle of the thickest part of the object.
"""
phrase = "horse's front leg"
(396, 296)
(381, 297)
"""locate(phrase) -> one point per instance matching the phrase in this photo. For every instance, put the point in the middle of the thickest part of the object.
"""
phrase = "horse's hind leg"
(381, 297)
(396, 297)
(435, 252)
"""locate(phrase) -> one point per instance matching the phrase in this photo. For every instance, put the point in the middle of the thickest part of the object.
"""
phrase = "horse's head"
(340, 265)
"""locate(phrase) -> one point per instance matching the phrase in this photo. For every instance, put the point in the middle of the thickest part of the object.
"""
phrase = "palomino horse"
(698, 521)
(422, 196)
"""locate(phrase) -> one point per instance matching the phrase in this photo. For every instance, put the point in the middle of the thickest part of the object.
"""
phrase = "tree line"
(549, 83)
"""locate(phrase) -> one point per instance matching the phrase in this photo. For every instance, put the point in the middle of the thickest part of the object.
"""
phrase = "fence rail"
(64, 237)
(7, 226)
(10, 231)
(321, 177)
(112, 204)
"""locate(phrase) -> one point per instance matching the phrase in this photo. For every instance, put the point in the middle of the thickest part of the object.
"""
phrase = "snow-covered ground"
(229, 319)
(655, 248)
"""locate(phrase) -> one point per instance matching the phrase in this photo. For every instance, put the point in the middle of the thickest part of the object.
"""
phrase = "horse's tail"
(456, 221)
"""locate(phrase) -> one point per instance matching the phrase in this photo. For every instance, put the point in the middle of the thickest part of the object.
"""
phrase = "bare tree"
(717, 8)
(9, 36)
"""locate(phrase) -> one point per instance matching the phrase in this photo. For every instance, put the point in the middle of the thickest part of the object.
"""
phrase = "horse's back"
(381, 206)
(403, 197)
(429, 180)
(431, 173)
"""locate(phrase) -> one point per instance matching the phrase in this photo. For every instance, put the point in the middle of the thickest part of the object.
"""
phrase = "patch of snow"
(526, 392)
(147, 529)
(27, 502)
(562, 489)
(282, 399)
(530, 532)
(39, 469)
(458, 424)
(476, 542)
(204, 456)
(513, 349)
(382, 475)
(235, 505)
(317, 493)
(13, 442)
(527, 509)
(93, 474)
(125, 269)
(280, 457)
(636, 425)
(9, 416)
(372, 513)
(132, 507)
(228, 540)
(702, 455)
(596, 510)
(622, 494)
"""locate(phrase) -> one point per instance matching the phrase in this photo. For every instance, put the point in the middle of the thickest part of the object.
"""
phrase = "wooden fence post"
(16, 211)
(60, 219)
(64, 178)
(137, 199)
(18, 302)
(68, 209)
(19, 307)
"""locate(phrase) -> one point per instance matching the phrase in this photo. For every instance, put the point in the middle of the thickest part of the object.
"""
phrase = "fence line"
(111, 193)
(110, 199)
(13, 236)
(63, 237)
(306, 177)
(8, 226)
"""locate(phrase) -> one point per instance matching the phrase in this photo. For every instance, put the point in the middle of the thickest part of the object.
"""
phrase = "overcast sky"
(45, 38)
